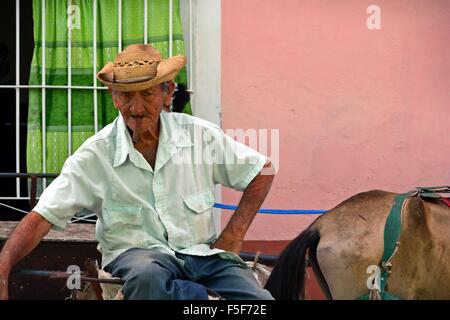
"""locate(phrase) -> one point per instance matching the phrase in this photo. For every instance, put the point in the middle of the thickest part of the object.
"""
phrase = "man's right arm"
(25, 237)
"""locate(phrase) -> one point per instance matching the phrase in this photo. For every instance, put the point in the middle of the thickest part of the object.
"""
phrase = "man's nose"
(138, 105)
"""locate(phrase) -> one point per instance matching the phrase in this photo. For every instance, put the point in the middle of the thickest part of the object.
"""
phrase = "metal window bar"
(94, 63)
(44, 137)
(170, 27)
(145, 22)
(190, 89)
(17, 96)
(51, 87)
(15, 198)
(33, 195)
(33, 176)
(69, 84)
(69, 87)
(119, 24)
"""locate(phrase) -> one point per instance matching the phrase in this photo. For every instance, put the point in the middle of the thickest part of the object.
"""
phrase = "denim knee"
(147, 281)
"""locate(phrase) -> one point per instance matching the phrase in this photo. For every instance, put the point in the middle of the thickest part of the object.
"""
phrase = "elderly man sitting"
(152, 194)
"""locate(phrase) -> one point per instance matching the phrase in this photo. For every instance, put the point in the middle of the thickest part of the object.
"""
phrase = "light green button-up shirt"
(168, 208)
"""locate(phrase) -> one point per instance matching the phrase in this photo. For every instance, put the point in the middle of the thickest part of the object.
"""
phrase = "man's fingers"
(3, 288)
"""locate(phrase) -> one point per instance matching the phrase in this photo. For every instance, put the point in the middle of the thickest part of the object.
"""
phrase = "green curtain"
(82, 68)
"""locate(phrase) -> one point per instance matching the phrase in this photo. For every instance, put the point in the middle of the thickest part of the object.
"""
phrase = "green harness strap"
(392, 230)
(393, 227)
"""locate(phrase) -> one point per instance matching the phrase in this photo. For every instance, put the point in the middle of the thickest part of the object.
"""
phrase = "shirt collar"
(171, 137)
(123, 142)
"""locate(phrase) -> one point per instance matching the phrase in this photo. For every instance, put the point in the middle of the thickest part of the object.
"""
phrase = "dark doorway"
(8, 99)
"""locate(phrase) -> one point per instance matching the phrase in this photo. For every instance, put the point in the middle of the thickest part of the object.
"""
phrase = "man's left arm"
(232, 237)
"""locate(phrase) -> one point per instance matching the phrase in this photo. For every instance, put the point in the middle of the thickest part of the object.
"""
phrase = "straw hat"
(138, 67)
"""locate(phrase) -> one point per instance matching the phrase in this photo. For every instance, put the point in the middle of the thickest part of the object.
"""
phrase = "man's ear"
(171, 85)
(170, 91)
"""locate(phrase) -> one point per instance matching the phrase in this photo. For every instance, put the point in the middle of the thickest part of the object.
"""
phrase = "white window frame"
(201, 24)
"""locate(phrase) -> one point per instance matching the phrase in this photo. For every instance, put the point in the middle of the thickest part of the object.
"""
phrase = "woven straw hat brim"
(167, 71)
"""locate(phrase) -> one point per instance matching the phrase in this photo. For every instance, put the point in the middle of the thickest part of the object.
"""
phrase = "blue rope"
(271, 211)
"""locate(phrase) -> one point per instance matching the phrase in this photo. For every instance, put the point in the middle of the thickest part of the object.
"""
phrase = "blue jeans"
(150, 274)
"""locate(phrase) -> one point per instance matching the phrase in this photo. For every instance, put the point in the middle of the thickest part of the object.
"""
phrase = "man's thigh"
(138, 260)
(233, 281)
(150, 274)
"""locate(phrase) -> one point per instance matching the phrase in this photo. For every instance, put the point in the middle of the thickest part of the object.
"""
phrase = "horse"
(342, 245)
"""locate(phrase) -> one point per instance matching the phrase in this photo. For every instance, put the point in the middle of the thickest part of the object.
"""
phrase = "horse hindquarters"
(352, 241)
(342, 244)
(349, 240)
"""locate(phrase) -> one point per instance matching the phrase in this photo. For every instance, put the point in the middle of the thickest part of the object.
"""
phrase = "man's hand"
(228, 244)
(232, 237)
(3, 287)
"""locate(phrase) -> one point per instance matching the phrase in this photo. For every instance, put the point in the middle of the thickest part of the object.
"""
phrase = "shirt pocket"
(117, 215)
(122, 226)
(200, 202)
(201, 229)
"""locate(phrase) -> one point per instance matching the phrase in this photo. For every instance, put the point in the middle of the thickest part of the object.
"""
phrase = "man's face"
(141, 109)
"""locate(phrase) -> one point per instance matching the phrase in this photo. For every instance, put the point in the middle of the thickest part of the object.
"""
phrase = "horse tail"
(287, 279)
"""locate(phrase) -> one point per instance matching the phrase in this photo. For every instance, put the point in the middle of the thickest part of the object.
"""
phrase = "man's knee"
(148, 272)
(147, 281)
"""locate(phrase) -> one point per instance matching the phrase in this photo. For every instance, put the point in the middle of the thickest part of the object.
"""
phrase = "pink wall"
(357, 109)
